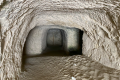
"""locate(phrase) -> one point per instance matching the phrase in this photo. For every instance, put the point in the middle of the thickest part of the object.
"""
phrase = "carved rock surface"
(99, 19)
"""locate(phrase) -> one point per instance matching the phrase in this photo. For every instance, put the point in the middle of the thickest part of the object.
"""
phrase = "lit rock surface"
(99, 19)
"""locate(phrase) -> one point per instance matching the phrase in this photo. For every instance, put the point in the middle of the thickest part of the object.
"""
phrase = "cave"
(22, 26)
(56, 41)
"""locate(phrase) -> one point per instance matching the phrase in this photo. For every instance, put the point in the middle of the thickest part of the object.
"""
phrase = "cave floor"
(77, 67)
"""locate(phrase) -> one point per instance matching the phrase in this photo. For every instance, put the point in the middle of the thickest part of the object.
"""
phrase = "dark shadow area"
(56, 43)
(24, 58)
(80, 41)
(54, 51)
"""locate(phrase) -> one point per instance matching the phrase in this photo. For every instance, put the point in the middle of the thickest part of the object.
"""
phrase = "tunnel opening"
(55, 42)
(68, 40)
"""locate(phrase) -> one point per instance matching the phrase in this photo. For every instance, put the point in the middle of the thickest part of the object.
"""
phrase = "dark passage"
(55, 43)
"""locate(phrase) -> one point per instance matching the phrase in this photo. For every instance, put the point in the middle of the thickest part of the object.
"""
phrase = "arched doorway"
(53, 38)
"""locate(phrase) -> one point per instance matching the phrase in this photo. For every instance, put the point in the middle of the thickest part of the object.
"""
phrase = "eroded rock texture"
(99, 19)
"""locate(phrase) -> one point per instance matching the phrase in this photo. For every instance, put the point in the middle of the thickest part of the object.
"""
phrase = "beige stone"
(99, 19)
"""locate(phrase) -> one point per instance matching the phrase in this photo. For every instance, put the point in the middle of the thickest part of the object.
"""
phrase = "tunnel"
(56, 43)
(54, 38)
(52, 41)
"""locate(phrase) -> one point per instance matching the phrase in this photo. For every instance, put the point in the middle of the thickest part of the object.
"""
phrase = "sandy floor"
(66, 68)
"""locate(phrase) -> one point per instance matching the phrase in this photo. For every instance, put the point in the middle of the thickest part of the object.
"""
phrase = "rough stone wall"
(99, 19)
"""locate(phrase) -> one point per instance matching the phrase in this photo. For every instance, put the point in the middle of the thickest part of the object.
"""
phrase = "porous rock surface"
(99, 19)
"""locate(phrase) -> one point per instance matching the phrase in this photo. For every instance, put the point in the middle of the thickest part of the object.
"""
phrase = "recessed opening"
(56, 43)
(52, 42)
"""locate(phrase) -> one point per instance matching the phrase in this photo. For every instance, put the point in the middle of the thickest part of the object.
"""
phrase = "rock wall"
(99, 19)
